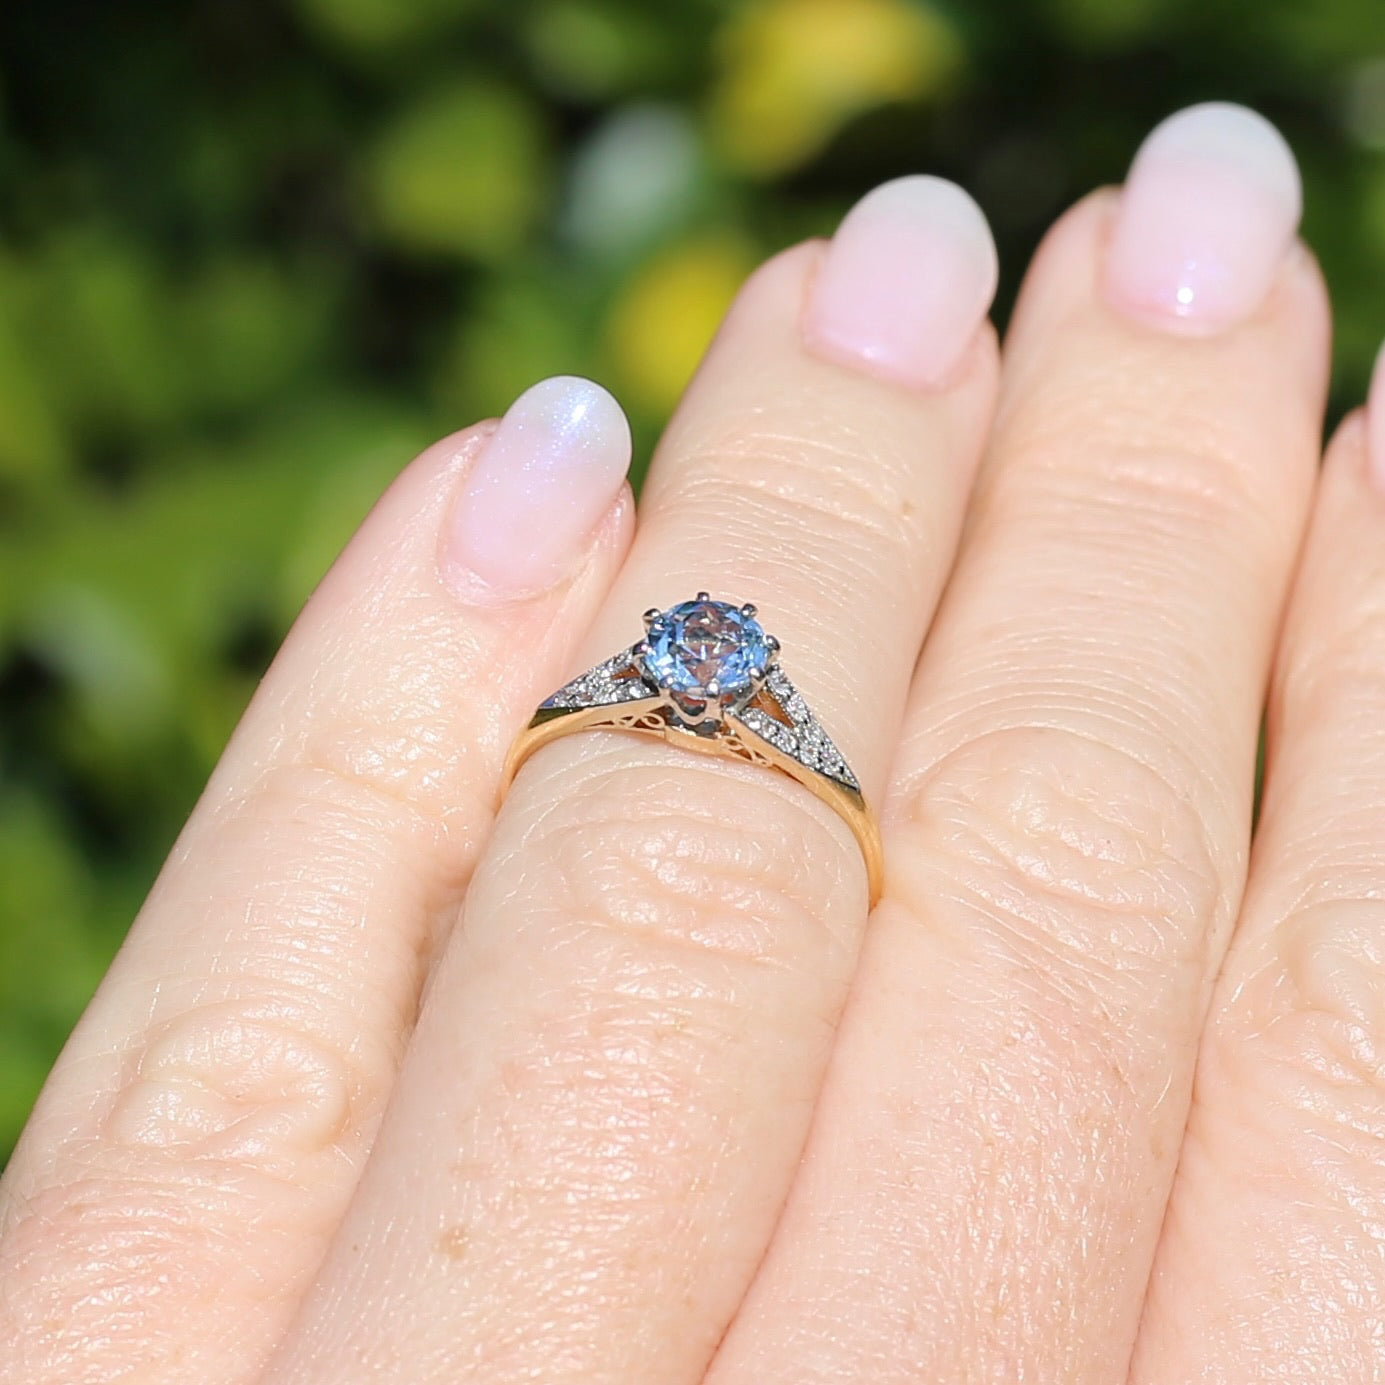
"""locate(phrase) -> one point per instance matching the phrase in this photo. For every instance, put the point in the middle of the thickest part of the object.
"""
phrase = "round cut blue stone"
(697, 643)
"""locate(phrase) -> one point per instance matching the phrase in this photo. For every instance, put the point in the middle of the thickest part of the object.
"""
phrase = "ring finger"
(611, 1077)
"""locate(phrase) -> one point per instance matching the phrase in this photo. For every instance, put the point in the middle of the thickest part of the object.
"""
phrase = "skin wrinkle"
(915, 790)
(404, 747)
(449, 841)
(1326, 1063)
(1160, 438)
(351, 823)
(134, 1235)
(601, 762)
(1286, 1137)
(817, 470)
(1130, 693)
(1125, 714)
(1343, 668)
(598, 865)
(775, 525)
(784, 509)
(772, 527)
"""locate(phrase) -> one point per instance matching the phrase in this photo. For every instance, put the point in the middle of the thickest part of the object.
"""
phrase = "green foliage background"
(255, 253)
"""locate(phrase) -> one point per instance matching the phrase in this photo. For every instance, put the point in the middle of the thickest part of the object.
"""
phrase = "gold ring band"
(706, 678)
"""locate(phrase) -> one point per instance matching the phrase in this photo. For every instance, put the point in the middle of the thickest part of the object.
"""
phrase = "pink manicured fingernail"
(1210, 207)
(905, 283)
(1375, 422)
(544, 479)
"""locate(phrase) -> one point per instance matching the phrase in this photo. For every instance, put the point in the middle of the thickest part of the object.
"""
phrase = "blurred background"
(255, 253)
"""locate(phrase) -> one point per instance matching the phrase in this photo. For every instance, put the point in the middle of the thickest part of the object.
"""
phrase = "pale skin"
(619, 1081)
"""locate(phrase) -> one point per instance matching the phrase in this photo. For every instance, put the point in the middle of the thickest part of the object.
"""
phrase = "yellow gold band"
(733, 738)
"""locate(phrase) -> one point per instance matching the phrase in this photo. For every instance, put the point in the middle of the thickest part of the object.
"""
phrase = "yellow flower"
(662, 322)
(793, 72)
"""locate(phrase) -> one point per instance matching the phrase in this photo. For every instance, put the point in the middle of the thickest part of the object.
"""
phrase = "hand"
(669, 1110)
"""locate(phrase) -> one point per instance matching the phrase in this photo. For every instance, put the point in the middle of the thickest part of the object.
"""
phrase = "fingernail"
(1375, 423)
(905, 283)
(1208, 212)
(543, 481)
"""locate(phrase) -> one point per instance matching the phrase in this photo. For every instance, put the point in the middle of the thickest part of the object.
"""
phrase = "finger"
(613, 1071)
(1272, 1262)
(995, 1140)
(206, 1123)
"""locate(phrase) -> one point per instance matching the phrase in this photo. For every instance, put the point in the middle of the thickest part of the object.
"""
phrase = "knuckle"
(678, 940)
(1326, 1029)
(644, 855)
(1081, 857)
(223, 1147)
(239, 1084)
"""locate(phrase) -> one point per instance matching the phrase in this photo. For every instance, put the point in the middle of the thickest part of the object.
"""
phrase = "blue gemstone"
(698, 642)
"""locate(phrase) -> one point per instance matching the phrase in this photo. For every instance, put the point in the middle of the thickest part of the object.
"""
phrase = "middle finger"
(997, 1135)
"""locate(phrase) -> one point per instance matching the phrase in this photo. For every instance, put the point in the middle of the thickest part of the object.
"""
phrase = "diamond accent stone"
(616, 680)
(805, 740)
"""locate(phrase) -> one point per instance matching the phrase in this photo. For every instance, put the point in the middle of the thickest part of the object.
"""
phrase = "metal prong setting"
(650, 616)
(699, 711)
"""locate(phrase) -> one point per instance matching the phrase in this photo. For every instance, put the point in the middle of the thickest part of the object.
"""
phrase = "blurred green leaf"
(517, 329)
(595, 50)
(101, 332)
(1109, 24)
(33, 445)
(252, 328)
(48, 962)
(463, 171)
(365, 27)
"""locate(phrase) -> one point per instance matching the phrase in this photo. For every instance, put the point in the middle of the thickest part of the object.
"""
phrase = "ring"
(706, 677)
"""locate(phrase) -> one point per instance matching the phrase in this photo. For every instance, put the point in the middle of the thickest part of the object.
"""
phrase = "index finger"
(206, 1122)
